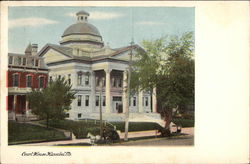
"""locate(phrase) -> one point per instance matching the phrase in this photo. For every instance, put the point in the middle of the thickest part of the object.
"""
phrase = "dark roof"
(81, 28)
(82, 12)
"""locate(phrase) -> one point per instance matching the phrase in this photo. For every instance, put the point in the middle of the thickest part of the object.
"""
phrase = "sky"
(117, 25)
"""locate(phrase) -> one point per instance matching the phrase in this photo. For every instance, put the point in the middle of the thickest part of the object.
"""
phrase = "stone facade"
(95, 69)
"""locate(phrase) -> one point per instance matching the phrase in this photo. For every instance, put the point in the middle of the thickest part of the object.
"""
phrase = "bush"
(81, 128)
(184, 122)
(24, 133)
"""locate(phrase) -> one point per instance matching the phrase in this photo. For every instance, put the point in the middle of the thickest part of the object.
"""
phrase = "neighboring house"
(25, 72)
(84, 60)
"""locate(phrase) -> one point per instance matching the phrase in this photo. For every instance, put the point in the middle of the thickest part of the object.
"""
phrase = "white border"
(221, 92)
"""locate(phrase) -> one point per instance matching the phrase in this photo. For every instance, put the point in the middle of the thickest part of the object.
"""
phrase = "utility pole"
(100, 105)
(128, 95)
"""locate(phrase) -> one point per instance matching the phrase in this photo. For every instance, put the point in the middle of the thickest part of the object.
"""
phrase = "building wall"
(22, 78)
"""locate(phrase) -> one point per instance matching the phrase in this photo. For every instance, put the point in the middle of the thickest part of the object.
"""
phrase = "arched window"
(79, 78)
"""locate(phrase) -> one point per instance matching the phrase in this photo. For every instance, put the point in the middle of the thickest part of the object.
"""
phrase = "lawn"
(25, 133)
(81, 128)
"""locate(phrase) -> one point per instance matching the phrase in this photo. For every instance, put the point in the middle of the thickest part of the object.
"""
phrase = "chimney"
(34, 49)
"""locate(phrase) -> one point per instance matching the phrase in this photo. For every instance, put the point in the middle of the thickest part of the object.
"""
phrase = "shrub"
(184, 122)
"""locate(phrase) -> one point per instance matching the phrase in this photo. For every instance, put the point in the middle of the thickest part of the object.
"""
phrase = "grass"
(184, 122)
(81, 128)
(26, 133)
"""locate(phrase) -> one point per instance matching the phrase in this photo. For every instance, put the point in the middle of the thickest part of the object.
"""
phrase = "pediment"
(52, 55)
(125, 56)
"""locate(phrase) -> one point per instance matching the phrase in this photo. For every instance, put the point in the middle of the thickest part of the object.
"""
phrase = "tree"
(167, 64)
(52, 102)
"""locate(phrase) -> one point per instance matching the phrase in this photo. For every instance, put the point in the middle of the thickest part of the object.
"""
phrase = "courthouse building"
(25, 72)
(84, 60)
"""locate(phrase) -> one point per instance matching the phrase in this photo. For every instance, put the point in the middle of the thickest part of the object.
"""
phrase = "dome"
(81, 28)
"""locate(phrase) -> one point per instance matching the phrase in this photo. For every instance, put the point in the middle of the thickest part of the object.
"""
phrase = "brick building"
(25, 72)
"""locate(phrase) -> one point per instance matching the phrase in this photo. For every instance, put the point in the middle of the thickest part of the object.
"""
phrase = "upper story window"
(24, 61)
(15, 80)
(87, 79)
(41, 82)
(79, 100)
(19, 60)
(28, 81)
(10, 59)
(79, 79)
(32, 62)
(120, 82)
(37, 62)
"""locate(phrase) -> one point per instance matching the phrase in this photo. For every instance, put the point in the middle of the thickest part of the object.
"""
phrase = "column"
(14, 106)
(92, 94)
(26, 105)
(154, 105)
(140, 101)
(107, 91)
(124, 93)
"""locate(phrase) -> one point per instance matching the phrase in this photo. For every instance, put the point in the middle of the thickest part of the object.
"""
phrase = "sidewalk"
(151, 133)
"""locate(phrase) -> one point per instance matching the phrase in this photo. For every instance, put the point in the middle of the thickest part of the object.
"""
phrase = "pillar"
(26, 105)
(15, 106)
(92, 94)
(140, 101)
(124, 93)
(154, 105)
(107, 91)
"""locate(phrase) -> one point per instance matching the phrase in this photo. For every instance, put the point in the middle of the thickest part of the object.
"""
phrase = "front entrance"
(117, 104)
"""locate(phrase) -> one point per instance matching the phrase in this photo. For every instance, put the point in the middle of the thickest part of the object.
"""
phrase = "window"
(37, 61)
(28, 81)
(19, 61)
(10, 59)
(50, 79)
(114, 82)
(79, 115)
(104, 101)
(67, 115)
(33, 62)
(87, 100)
(97, 101)
(69, 79)
(24, 61)
(41, 82)
(146, 101)
(81, 18)
(79, 79)
(87, 79)
(134, 101)
(79, 100)
(15, 80)
(119, 82)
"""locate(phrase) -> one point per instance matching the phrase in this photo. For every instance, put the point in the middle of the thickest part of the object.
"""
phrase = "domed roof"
(82, 12)
(81, 28)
